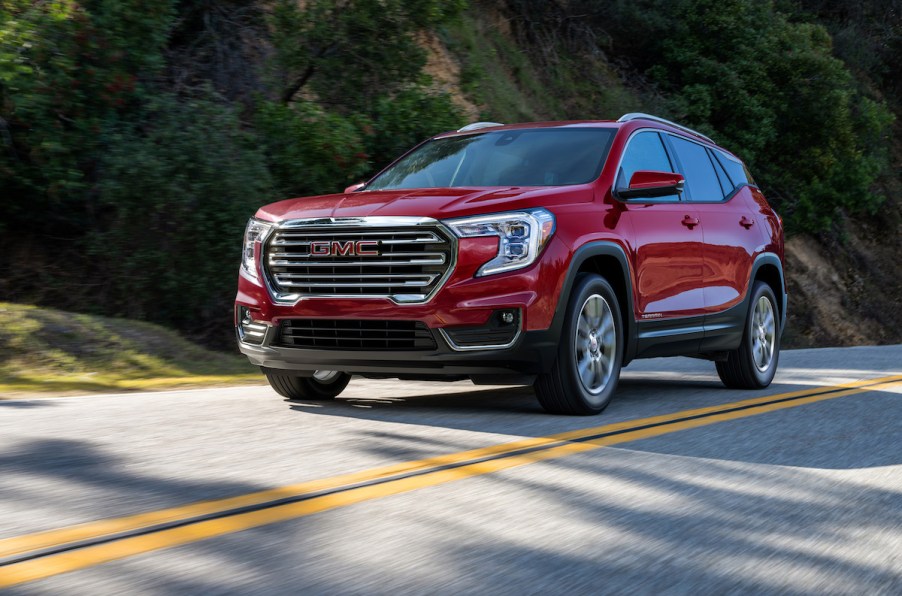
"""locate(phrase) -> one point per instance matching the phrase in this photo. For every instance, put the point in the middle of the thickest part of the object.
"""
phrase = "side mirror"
(355, 187)
(648, 184)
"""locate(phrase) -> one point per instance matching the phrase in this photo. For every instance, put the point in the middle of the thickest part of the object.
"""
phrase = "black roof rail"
(641, 116)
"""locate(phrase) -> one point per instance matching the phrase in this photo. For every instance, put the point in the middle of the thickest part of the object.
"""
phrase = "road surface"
(680, 486)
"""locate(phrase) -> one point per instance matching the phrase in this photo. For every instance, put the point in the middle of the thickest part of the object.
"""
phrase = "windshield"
(530, 157)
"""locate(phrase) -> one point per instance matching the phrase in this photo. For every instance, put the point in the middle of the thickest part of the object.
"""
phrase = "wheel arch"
(609, 260)
(768, 268)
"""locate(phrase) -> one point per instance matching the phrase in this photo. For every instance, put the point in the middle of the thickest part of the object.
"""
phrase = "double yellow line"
(44, 554)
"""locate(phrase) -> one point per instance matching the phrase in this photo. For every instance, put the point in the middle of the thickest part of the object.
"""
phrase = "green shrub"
(69, 71)
(179, 184)
(309, 150)
(770, 89)
(401, 121)
(142, 193)
(352, 53)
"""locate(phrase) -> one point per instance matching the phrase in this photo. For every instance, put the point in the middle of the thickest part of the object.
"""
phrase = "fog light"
(249, 331)
(500, 331)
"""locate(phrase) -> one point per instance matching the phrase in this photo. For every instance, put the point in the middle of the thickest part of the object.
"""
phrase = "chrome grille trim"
(421, 236)
(437, 258)
(417, 256)
(364, 263)
(407, 284)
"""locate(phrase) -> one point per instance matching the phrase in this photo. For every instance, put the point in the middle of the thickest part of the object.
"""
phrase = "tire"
(324, 385)
(754, 364)
(592, 308)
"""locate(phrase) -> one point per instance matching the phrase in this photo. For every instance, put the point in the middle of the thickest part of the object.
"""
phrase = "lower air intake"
(342, 334)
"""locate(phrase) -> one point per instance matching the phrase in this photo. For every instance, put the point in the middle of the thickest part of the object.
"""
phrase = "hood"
(438, 203)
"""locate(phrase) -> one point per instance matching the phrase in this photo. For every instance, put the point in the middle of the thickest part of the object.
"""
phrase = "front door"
(667, 239)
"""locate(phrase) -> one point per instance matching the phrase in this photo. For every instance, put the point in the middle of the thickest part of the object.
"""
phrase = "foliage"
(779, 98)
(131, 157)
(180, 180)
(135, 181)
(401, 121)
(867, 35)
(309, 150)
(312, 151)
(67, 70)
(568, 60)
(352, 52)
(326, 131)
(136, 137)
(496, 75)
(49, 350)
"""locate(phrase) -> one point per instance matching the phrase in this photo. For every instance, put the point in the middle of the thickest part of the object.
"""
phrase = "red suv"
(550, 254)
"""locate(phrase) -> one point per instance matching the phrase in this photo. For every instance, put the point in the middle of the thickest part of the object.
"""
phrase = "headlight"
(522, 236)
(254, 233)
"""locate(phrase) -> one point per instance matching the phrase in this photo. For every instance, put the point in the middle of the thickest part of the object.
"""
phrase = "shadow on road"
(639, 525)
(690, 511)
(843, 433)
(24, 405)
(82, 474)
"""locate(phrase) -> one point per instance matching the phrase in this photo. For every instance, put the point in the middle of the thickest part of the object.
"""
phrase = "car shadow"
(843, 433)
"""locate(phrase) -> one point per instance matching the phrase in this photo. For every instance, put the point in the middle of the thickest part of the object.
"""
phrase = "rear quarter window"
(736, 170)
(725, 184)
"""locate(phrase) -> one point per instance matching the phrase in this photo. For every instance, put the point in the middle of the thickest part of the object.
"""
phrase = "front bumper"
(463, 301)
(532, 352)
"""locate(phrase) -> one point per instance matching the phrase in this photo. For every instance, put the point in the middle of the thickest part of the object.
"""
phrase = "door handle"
(746, 222)
(690, 222)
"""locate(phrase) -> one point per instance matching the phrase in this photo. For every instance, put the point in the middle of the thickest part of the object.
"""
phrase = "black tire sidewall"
(328, 389)
(762, 379)
(587, 285)
(293, 386)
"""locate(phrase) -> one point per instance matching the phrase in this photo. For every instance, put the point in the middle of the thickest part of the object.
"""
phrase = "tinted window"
(726, 186)
(701, 181)
(644, 152)
(531, 157)
(735, 169)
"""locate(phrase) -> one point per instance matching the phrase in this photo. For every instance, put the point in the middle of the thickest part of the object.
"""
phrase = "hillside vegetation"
(47, 350)
(136, 138)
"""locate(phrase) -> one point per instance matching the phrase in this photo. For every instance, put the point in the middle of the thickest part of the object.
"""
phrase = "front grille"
(341, 334)
(407, 262)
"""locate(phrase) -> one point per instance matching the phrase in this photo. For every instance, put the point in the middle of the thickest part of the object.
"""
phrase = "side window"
(725, 184)
(644, 152)
(701, 180)
(738, 173)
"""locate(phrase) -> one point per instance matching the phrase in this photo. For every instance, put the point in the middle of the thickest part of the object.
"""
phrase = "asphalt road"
(799, 491)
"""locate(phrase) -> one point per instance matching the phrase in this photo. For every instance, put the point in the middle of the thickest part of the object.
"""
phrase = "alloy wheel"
(764, 333)
(595, 344)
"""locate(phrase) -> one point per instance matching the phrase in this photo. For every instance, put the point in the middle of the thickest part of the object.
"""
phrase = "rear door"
(731, 233)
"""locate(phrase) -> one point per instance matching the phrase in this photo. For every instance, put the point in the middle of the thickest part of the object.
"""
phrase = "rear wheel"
(754, 364)
(323, 385)
(585, 373)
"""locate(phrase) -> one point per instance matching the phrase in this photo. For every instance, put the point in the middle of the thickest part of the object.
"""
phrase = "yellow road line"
(41, 540)
(46, 566)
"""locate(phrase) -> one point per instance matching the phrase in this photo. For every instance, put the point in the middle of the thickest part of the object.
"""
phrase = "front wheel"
(754, 364)
(323, 385)
(585, 373)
